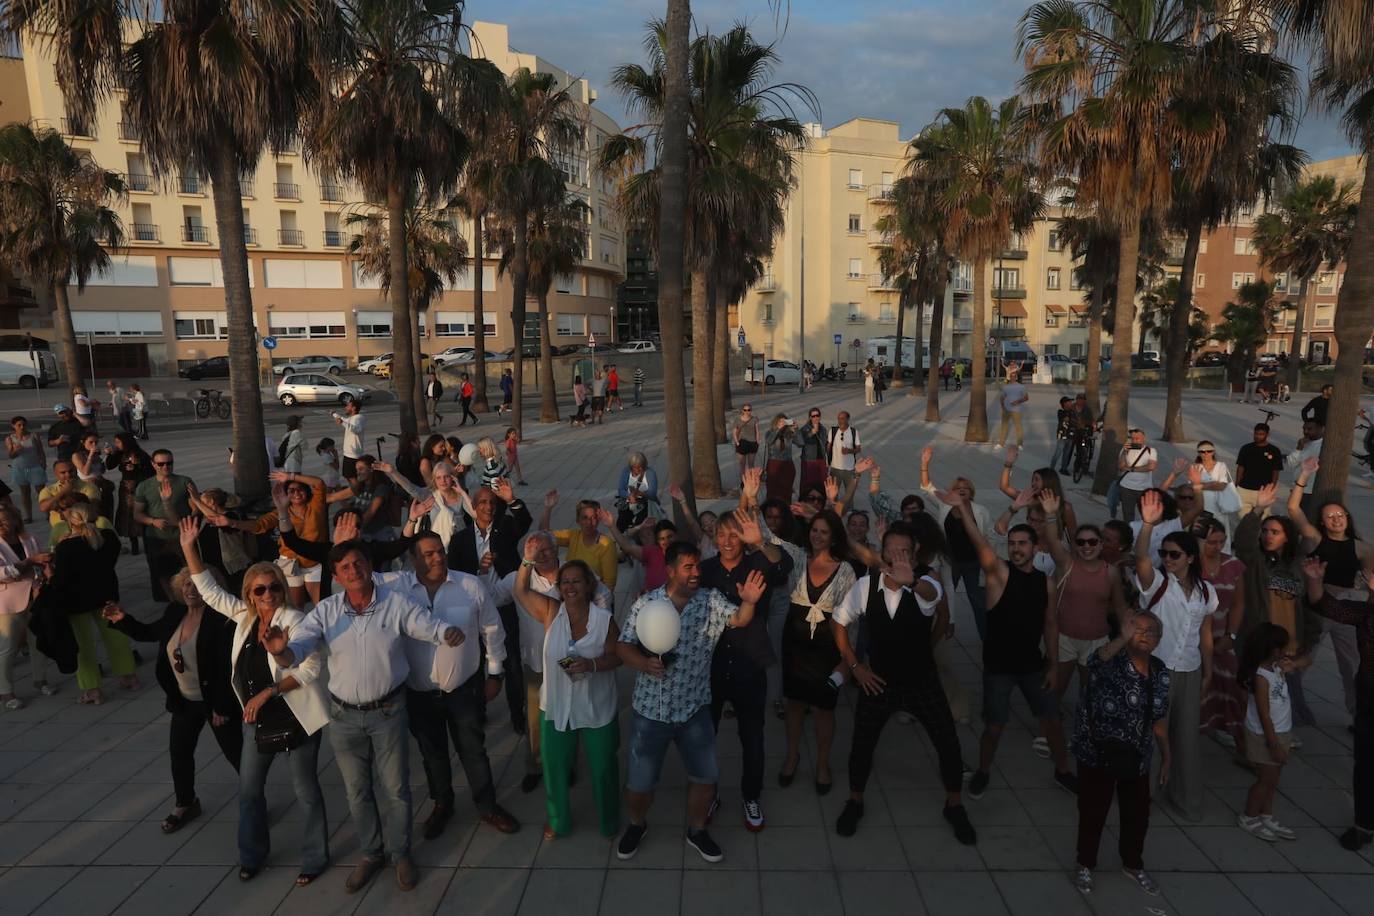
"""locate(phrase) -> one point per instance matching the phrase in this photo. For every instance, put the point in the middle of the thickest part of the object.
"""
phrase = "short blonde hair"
(178, 583)
(263, 568)
(972, 491)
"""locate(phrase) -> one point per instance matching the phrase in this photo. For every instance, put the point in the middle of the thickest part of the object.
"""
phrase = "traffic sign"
(741, 338)
(839, 339)
(992, 341)
(269, 343)
(591, 339)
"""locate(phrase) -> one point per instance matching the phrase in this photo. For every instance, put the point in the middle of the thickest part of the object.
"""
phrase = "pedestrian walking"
(465, 392)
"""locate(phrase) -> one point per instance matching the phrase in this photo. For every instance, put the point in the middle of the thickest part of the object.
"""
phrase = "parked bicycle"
(212, 401)
(1084, 444)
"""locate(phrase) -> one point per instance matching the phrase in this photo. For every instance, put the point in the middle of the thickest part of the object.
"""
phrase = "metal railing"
(767, 284)
(1008, 292)
(250, 235)
(146, 232)
(879, 237)
(190, 184)
(137, 181)
(286, 190)
(129, 131)
(74, 127)
(879, 191)
(331, 193)
(878, 281)
(290, 237)
(195, 233)
(333, 238)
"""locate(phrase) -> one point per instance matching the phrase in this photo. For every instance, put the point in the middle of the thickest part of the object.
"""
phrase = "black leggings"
(184, 735)
(925, 700)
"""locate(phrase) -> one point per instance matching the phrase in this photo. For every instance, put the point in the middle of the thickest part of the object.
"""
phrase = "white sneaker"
(14, 703)
(1041, 746)
(753, 816)
(1256, 827)
(1277, 829)
(1294, 742)
(47, 690)
(1083, 879)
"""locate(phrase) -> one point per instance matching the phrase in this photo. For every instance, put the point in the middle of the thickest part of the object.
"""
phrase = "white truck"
(27, 370)
(883, 350)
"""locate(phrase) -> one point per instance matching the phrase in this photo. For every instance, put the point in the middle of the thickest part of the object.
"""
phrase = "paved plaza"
(83, 788)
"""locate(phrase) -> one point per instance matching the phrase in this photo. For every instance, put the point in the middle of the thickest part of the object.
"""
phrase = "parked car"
(775, 372)
(528, 350)
(317, 388)
(370, 365)
(1143, 362)
(1057, 359)
(638, 346)
(598, 350)
(566, 350)
(334, 365)
(1211, 358)
(384, 370)
(463, 358)
(214, 367)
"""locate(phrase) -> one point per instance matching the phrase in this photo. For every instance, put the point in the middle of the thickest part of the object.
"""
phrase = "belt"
(375, 704)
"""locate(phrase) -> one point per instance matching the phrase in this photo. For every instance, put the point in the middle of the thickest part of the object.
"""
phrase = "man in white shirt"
(1309, 446)
(353, 423)
(1136, 464)
(844, 450)
(446, 694)
(366, 629)
(1014, 394)
(543, 581)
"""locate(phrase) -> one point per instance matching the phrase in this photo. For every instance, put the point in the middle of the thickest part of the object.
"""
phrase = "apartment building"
(161, 305)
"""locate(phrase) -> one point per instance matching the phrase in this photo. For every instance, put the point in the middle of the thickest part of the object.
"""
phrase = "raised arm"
(689, 518)
(750, 591)
(1306, 529)
(626, 546)
(230, 605)
(400, 480)
(550, 500)
(927, 455)
(541, 607)
(1004, 482)
(987, 557)
(1151, 511)
(1054, 542)
(1023, 499)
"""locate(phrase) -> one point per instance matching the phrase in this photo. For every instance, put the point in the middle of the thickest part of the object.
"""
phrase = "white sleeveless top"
(590, 701)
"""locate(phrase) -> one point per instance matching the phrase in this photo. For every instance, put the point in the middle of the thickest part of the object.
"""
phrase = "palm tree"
(738, 268)
(1106, 75)
(1245, 325)
(557, 242)
(538, 128)
(474, 200)
(1256, 94)
(397, 81)
(979, 155)
(913, 258)
(1095, 250)
(209, 84)
(55, 220)
(1310, 226)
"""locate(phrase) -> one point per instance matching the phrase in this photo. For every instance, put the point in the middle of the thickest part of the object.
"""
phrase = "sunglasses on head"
(178, 661)
(1087, 542)
(1167, 554)
(273, 587)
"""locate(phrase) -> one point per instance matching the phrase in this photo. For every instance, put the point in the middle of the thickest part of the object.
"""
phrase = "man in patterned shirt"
(672, 702)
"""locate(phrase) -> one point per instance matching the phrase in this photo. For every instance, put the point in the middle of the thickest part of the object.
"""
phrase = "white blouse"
(590, 701)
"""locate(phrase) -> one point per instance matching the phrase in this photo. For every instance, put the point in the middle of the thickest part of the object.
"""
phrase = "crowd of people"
(375, 602)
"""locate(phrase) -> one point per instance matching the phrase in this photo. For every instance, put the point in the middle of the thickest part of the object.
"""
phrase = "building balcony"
(878, 281)
(136, 181)
(291, 237)
(962, 286)
(74, 127)
(195, 233)
(766, 284)
(1013, 254)
(962, 325)
(856, 318)
(331, 193)
(880, 192)
(1007, 331)
(145, 232)
(128, 132)
(192, 185)
(247, 185)
(877, 238)
(1008, 292)
(286, 190)
(333, 238)
(250, 235)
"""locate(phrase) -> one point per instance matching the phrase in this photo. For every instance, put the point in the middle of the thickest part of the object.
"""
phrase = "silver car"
(334, 365)
(317, 388)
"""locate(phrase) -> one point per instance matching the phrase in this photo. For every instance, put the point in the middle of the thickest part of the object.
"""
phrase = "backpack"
(282, 452)
(830, 444)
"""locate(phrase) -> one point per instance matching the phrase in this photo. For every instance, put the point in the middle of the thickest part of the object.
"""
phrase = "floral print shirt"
(686, 687)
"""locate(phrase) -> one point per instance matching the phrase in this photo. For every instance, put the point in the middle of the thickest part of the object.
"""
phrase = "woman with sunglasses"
(1213, 478)
(1223, 702)
(135, 466)
(781, 472)
(1177, 594)
(745, 434)
(192, 668)
(283, 709)
(1041, 480)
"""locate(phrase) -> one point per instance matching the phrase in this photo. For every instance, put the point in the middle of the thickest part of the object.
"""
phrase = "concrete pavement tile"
(792, 848)
(1036, 893)
(1352, 892)
(1114, 893)
(880, 893)
(796, 806)
(145, 844)
(215, 843)
(66, 803)
(95, 891)
(1232, 850)
(633, 893)
(40, 736)
(16, 763)
(1062, 843)
(1202, 895)
(1283, 895)
(1328, 807)
(231, 896)
(873, 848)
(959, 894)
(173, 890)
(492, 849)
(584, 848)
(78, 843)
(18, 840)
(489, 891)
(1015, 849)
(711, 893)
(447, 850)
(877, 809)
(17, 796)
(1316, 852)
(1046, 807)
(133, 802)
(122, 766)
(556, 891)
(935, 849)
(25, 889)
(788, 893)
(326, 895)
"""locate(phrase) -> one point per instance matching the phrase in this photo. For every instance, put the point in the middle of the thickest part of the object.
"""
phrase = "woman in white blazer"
(284, 709)
(21, 559)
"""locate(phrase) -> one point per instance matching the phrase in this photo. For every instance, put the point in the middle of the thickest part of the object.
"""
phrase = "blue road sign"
(269, 343)
(839, 339)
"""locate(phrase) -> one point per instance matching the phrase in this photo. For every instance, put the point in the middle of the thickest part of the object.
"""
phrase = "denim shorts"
(997, 690)
(28, 477)
(649, 740)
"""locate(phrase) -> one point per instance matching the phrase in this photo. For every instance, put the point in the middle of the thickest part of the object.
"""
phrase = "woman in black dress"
(135, 466)
(809, 655)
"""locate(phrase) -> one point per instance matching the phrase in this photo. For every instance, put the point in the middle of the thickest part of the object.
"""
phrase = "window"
(118, 324)
(199, 325)
(1051, 320)
(374, 323)
(567, 283)
(854, 226)
(287, 273)
(1075, 281)
(1202, 246)
(885, 312)
(1245, 246)
(887, 179)
(1052, 278)
(462, 324)
(856, 268)
(1050, 349)
(1056, 241)
(1075, 351)
(1199, 281)
(1326, 284)
(856, 311)
(570, 324)
(1077, 320)
(197, 272)
(766, 312)
(1239, 280)
(1280, 283)
(1006, 278)
(310, 325)
(856, 178)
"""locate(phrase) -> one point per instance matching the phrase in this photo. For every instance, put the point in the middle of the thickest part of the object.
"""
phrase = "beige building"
(161, 307)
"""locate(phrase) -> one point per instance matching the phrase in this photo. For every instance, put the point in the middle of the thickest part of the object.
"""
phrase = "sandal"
(130, 682)
(550, 833)
(174, 822)
(306, 878)
(248, 874)
(91, 698)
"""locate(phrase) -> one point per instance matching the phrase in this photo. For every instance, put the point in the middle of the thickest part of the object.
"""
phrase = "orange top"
(312, 523)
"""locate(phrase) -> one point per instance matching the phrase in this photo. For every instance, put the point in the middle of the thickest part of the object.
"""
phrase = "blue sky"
(889, 59)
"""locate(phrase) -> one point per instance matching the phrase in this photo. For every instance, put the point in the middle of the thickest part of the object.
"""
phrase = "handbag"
(275, 739)
(1228, 500)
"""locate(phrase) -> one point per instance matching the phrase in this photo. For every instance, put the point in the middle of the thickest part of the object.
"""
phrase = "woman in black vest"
(899, 602)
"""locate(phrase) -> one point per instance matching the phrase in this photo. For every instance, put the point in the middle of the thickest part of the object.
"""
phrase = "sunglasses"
(162, 464)
(1206, 451)
(1171, 554)
(1087, 542)
(817, 498)
(178, 661)
(273, 587)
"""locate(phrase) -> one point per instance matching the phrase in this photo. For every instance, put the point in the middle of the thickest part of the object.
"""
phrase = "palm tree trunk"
(1119, 382)
(250, 463)
(1354, 318)
(720, 372)
(708, 334)
(903, 300)
(66, 334)
(976, 430)
(918, 371)
(479, 334)
(705, 465)
(417, 393)
(403, 363)
(1176, 350)
(520, 276)
(672, 209)
(548, 393)
(1295, 347)
(937, 336)
(1092, 382)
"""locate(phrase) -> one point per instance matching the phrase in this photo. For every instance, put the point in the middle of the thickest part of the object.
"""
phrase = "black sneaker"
(958, 819)
(630, 840)
(978, 784)
(848, 822)
(1356, 838)
(530, 782)
(701, 841)
(1067, 781)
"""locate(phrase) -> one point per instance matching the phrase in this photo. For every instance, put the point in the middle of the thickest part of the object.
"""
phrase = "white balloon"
(658, 626)
(469, 456)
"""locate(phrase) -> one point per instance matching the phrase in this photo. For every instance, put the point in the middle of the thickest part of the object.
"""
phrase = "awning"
(1056, 309)
(1013, 310)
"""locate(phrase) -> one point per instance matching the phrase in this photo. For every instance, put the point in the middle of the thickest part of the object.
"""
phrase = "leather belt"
(375, 704)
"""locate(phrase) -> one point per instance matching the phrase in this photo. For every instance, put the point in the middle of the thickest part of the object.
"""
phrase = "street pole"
(801, 330)
(90, 355)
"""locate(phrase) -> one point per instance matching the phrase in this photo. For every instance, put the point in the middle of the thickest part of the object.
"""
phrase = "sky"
(889, 59)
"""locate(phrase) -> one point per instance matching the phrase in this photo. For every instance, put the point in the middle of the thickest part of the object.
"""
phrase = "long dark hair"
(1049, 480)
(929, 537)
(428, 450)
(1349, 519)
(1290, 539)
(1188, 544)
(839, 538)
(1259, 646)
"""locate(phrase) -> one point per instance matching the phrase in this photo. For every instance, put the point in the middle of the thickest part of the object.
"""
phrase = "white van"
(18, 367)
(884, 350)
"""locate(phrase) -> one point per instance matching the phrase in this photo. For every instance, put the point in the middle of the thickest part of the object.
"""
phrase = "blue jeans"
(649, 740)
(1063, 454)
(373, 752)
(254, 840)
(969, 573)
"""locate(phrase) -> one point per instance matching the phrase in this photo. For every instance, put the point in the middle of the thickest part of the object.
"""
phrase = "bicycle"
(211, 400)
(1367, 459)
(1269, 415)
(1083, 447)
